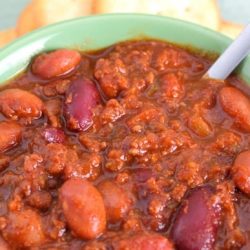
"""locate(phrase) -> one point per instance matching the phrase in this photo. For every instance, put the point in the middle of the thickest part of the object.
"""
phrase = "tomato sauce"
(124, 148)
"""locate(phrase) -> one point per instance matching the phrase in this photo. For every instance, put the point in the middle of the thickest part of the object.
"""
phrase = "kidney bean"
(116, 201)
(83, 208)
(54, 135)
(81, 98)
(241, 171)
(237, 105)
(56, 63)
(17, 103)
(143, 241)
(24, 229)
(10, 136)
(196, 222)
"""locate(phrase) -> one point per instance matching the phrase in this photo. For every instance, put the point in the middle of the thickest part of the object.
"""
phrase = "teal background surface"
(234, 10)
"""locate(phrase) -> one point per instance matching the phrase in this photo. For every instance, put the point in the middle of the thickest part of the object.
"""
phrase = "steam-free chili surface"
(125, 148)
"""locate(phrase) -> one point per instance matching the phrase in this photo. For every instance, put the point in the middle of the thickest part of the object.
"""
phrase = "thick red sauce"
(124, 148)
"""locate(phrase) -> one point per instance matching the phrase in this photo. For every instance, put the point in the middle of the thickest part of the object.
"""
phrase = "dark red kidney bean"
(143, 241)
(82, 97)
(196, 222)
(83, 208)
(24, 229)
(241, 171)
(237, 105)
(56, 63)
(54, 135)
(10, 136)
(116, 201)
(17, 103)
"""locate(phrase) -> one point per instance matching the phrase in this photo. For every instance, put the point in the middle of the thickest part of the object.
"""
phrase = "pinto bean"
(56, 63)
(199, 126)
(24, 229)
(17, 103)
(82, 97)
(116, 201)
(11, 133)
(237, 105)
(196, 223)
(241, 171)
(83, 208)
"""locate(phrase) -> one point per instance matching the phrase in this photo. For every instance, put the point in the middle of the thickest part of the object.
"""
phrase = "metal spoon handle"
(231, 57)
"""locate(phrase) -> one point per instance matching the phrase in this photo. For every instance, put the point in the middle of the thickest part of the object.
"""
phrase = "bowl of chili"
(111, 139)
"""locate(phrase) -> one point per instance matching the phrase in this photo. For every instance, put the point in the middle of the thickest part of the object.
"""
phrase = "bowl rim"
(34, 38)
(35, 34)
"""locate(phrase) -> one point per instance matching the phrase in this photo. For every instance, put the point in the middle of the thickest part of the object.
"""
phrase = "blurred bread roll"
(203, 12)
(7, 36)
(39, 13)
(43, 12)
(26, 22)
(230, 29)
(115, 6)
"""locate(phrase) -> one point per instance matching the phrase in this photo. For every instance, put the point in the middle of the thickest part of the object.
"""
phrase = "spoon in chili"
(231, 57)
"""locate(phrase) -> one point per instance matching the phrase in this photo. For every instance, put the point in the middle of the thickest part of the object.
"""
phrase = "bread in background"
(203, 12)
(26, 21)
(39, 13)
(230, 29)
(115, 6)
(7, 36)
(43, 12)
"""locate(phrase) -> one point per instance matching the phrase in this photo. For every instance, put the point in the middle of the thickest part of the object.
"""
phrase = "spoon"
(231, 57)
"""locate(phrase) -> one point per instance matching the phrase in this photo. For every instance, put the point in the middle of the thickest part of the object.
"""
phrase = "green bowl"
(95, 32)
